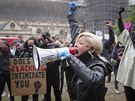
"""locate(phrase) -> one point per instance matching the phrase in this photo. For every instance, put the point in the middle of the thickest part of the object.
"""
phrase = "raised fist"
(72, 7)
(108, 23)
(121, 10)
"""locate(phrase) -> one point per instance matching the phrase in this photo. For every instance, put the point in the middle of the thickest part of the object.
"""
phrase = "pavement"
(110, 95)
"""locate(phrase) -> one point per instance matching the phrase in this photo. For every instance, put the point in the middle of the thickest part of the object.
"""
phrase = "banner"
(25, 79)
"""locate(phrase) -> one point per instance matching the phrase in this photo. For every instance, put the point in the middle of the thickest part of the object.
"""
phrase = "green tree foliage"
(131, 17)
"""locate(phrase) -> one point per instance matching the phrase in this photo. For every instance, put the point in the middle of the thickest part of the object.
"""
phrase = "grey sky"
(131, 1)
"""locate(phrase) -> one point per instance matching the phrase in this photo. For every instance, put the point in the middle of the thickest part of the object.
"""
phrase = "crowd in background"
(112, 51)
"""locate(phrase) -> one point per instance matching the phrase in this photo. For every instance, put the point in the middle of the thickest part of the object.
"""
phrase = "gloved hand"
(72, 7)
(64, 53)
(121, 10)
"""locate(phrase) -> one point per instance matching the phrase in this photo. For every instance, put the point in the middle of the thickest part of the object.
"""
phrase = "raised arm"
(74, 26)
(111, 39)
(120, 22)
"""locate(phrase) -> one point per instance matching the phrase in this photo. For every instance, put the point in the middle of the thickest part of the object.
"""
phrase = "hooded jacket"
(90, 84)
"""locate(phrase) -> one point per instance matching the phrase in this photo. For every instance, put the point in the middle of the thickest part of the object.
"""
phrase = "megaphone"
(43, 56)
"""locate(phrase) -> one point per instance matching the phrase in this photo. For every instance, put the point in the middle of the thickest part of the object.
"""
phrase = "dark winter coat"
(74, 28)
(5, 60)
(90, 81)
(107, 45)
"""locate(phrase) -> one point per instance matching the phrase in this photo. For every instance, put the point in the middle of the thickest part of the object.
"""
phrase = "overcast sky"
(131, 1)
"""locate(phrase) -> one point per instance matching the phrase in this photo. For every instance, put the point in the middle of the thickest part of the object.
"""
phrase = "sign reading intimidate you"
(25, 79)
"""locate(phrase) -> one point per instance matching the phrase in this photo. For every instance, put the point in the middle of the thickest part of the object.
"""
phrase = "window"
(12, 25)
(39, 31)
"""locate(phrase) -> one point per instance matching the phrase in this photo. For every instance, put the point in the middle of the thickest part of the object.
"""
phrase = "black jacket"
(5, 61)
(107, 45)
(74, 28)
(90, 85)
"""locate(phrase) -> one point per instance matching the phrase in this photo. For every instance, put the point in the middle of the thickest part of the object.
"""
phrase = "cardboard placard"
(25, 79)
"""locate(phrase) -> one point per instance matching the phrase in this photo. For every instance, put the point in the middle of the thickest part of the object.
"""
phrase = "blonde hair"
(94, 41)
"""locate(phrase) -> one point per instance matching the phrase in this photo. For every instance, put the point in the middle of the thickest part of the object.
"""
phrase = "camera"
(44, 36)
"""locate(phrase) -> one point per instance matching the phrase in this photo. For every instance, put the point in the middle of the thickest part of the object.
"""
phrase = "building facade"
(99, 11)
(34, 17)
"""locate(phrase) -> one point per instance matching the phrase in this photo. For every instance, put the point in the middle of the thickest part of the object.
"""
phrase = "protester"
(46, 40)
(52, 72)
(126, 69)
(27, 52)
(21, 41)
(53, 80)
(18, 50)
(107, 45)
(116, 57)
(90, 68)
(5, 56)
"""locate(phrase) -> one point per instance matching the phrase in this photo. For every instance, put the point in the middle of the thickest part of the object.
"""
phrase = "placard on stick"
(25, 79)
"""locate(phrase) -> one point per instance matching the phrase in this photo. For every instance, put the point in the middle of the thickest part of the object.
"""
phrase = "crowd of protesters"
(85, 71)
